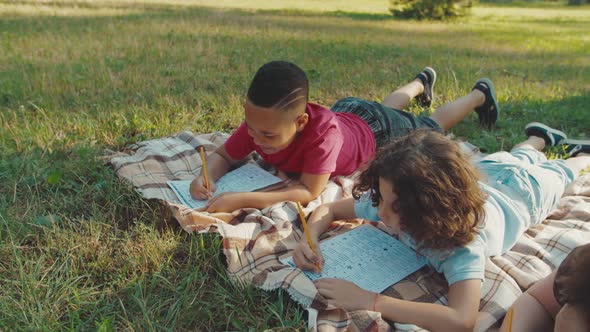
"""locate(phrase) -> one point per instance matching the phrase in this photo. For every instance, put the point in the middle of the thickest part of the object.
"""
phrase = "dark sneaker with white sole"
(575, 146)
(551, 136)
(489, 111)
(428, 78)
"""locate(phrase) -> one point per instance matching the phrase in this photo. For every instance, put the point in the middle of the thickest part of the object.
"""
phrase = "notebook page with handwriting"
(368, 257)
(242, 179)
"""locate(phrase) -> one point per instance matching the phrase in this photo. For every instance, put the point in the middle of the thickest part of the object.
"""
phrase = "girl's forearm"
(320, 221)
(433, 317)
(325, 214)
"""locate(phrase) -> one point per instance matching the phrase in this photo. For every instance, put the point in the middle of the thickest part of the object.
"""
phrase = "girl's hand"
(198, 190)
(345, 294)
(304, 257)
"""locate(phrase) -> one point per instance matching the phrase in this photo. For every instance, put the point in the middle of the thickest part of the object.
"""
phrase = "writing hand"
(304, 257)
(198, 190)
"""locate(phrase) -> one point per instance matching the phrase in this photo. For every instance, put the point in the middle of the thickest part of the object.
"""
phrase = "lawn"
(81, 250)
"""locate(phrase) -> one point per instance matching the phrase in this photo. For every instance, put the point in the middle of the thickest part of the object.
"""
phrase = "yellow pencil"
(306, 230)
(204, 162)
(509, 319)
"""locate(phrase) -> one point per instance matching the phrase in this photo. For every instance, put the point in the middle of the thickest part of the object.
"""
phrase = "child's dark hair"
(572, 279)
(439, 200)
(279, 84)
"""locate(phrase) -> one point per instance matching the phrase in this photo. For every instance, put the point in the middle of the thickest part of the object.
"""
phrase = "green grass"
(81, 250)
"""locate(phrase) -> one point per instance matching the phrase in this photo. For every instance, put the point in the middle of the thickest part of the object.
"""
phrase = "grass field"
(79, 250)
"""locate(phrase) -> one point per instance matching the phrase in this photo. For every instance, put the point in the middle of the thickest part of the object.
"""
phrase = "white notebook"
(246, 178)
(368, 257)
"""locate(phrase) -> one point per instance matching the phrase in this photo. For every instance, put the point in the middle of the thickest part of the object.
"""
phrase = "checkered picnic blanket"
(254, 240)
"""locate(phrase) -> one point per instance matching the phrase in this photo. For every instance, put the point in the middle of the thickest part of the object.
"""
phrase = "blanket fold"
(254, 240)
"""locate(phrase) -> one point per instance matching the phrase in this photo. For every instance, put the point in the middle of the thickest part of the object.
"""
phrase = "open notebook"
(368, 257)
(246, 178)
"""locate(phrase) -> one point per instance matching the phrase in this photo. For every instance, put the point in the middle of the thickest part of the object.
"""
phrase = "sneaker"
(489, 111)
(428, 77)
(551, 136)
(575, 146)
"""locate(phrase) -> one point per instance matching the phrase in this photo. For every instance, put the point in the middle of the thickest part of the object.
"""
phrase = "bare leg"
(401, 97)
(579, 163)
(535, 309)
(528, 315)
(535, 142)
(448, 115)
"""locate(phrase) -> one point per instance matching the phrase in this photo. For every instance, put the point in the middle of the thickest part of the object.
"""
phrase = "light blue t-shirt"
(520, 194)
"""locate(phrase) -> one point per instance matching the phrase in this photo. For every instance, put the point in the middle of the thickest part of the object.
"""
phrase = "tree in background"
(431, 9)
(577, 2)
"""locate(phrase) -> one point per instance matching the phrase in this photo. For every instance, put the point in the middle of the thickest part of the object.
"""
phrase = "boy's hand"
(345, 294)
(198, 190)
(304, 257)
(226, 202)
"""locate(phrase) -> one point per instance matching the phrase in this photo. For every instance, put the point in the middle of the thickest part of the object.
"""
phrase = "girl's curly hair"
(439, 202)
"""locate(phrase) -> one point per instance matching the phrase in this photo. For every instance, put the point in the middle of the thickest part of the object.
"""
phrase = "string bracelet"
(375, 301)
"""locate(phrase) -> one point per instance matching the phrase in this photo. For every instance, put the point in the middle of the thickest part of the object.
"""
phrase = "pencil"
(306, 230)
(204, 162)
(509, 319)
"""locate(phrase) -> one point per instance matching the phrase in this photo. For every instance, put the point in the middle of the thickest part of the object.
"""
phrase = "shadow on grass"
(182, 7)
(528, 4)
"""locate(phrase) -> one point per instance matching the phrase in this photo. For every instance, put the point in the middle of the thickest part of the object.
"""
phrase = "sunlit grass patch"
(41, 9)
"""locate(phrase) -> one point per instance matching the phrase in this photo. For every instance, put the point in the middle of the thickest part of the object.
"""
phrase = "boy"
(314, 143)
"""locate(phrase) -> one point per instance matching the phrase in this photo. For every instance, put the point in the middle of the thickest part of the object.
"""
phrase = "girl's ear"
(301, 121)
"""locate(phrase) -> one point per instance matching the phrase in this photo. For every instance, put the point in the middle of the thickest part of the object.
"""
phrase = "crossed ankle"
(538, 141)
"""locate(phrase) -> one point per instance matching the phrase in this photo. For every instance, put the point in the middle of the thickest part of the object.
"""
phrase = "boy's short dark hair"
(572, 279)
(279, 84)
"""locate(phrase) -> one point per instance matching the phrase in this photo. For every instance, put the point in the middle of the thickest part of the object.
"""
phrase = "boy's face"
(273, 130)
(386, 212)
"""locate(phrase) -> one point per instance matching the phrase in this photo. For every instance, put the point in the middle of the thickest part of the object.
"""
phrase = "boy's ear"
(301, 121)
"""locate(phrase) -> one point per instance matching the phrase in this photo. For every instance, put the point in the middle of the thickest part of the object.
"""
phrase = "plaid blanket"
(254, 240)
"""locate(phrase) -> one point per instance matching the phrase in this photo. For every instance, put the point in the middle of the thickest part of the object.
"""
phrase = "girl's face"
(386, 212)
(273, 130)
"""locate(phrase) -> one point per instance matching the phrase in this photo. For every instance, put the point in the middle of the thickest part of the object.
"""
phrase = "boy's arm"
(459, 315)
(218, 163)
(310, 187)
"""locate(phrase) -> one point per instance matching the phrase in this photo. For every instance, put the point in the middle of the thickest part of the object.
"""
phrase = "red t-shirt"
(336, 143)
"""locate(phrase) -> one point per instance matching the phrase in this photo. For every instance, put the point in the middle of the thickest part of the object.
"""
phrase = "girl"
(424, 188)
